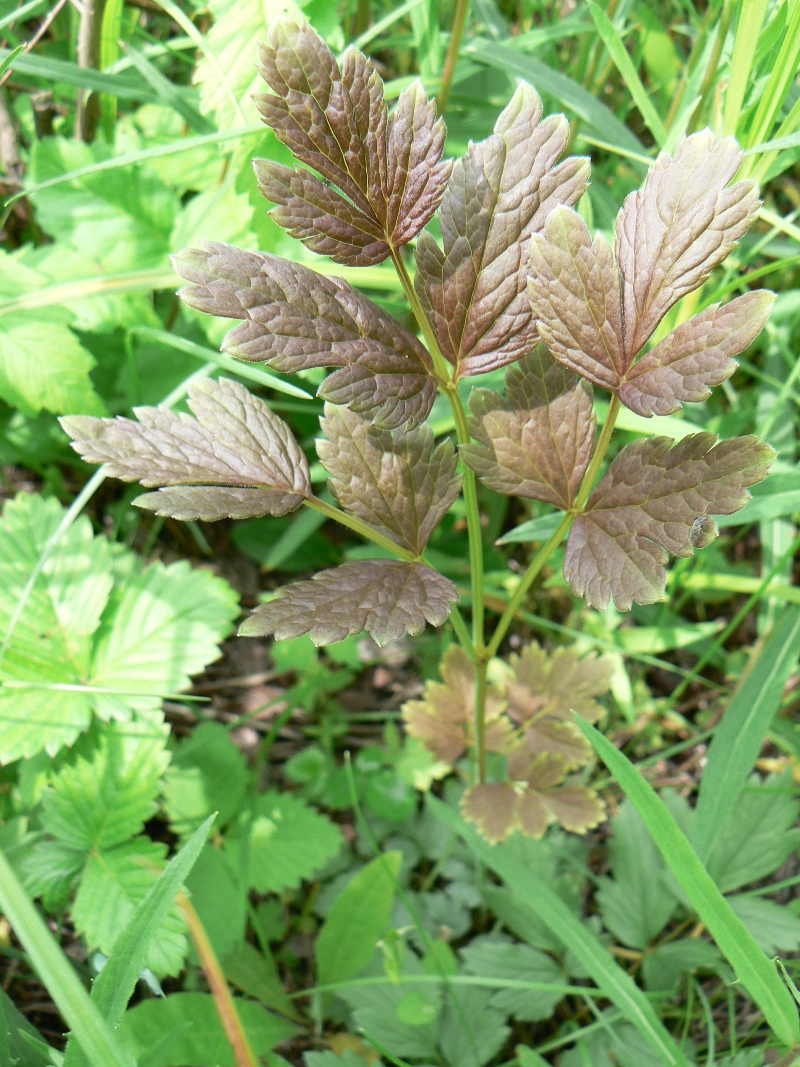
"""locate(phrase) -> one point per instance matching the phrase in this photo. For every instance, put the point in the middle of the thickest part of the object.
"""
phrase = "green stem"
(440, 366)
(547, 549)
(462, 633)
(480, 718)
(361, 528)
(709, 78)
(450, 60)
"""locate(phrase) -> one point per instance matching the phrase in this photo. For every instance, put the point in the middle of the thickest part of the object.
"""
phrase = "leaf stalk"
(361, 528)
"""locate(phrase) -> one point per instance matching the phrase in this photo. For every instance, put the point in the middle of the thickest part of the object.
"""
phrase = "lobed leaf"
(671, 234)
(235, 444)
(385, 597)
(473, 288)
(334, 119)
(296, 319)
(695, 356)
(653, 501)
(545, 692)
(397, 483)
(532, 799)
(444, 718)
(537, 441)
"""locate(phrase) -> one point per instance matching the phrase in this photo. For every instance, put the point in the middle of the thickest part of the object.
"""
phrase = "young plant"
(517, 281)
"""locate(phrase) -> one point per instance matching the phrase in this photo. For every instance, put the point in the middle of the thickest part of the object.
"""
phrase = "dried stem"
(450, 60)
(226, 1009)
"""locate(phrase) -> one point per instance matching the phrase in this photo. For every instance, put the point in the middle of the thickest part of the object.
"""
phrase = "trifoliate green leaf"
(208, 773)
(501, 959)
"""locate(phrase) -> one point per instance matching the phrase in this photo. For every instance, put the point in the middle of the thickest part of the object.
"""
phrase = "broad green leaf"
(358, 918)
(616, 984)
(201, 1040)
(636, 904)
(256, 975)
(220, 899)
(472, 1029)
(125, 219)
(755, 972)
(501, 959)
(757, 836)
(113, 884)
(664, 965)
(19, 1052)
(287, 841)
(207, 773)
(114, 986)
(774, 926)
(739, 737)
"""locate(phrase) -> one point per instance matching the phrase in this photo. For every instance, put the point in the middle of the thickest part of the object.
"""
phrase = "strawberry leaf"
(473, 289)
(335, 120)
(385, 597)
(654, 501)
(695, 356)
(538, 441)
(296, 319)
(235, 444)
(672, 233)
(398, 483)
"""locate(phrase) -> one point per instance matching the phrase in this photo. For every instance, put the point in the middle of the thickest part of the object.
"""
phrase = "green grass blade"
(615, 983)
(757, 974)
(624, 64)
(560, 86)
(739, 737)
(116, 982)
(780, 79)
(57, 974)
(134, 281)
(167, 93)
(20, 14)
(59, 70)
(9, 59)
(748, 31)
(226, 362)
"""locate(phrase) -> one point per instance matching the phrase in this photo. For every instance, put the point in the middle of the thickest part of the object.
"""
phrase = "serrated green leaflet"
(756, 973)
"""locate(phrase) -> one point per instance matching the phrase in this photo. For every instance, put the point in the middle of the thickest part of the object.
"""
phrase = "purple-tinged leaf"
(234, 443)
(316, 215)
(537, 442)
(678, 228)
(444, 719)
(295, 319)
(397, 483)
(695, 356)
(335, 120)
(473, 289)
(382, 596)
(655, 501)
(532, 799)
(575, 296)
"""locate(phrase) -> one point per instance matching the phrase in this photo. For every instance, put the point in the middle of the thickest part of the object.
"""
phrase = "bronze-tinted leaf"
(695, 356)
(445, 718)
(235, 442)
(295, 319)
(473, 289)
(534, 797)
(398, 483)
(647, 506)
(575, 295)
(683, 223)
(537, 442)
(557, 685)
(335, 120)
(382, 596)
(314, 213)
(211, 503)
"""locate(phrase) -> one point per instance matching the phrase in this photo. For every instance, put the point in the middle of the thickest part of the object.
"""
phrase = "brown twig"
(43, 28)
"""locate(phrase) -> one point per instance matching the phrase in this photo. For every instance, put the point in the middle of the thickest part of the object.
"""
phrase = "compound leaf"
(473, 289)
(296, 319)
(575, 295)
(671, 234)
(385, 597)
(445, 718)
(335, 120)
(695, 356)
(287, 842)
(398, 483)
(234, 441)
(537, 442)
(521, 963)
(654, 501)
